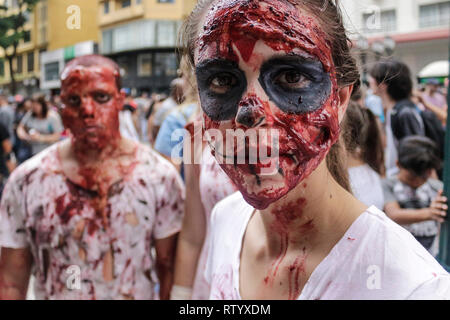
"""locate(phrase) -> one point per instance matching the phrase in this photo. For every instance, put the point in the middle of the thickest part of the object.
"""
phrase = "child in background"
(412, 198)
(365, 157)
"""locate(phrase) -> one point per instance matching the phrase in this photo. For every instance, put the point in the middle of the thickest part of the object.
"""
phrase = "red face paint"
(91, 103)
(232, 29)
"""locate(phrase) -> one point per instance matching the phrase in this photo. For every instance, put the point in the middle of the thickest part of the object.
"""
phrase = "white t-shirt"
(57, 220)
(366, 186)
(375, 259)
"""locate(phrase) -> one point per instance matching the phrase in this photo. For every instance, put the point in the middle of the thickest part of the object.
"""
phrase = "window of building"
(145, 64)
(51, 71)
(125, 3)
(107, 38)
(165, 64)
(27, 36)
(27, 16)
(106, 7)
(19, 64)
(2, 68)
(43, 34)
(138, 1)
(434, 15)
(386, 22)
(30, 61)
(166, 1)
(43, 13)
(166, 33)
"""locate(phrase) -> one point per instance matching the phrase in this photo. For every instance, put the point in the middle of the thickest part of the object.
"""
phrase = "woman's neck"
(317, 211)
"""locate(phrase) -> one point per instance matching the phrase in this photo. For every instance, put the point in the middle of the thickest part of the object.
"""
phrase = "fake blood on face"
(231, 31)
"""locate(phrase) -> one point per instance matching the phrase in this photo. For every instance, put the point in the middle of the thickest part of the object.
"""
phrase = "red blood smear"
(279, 23)
(285, 216)
(245, 47)
(294, 275)
(281, 26)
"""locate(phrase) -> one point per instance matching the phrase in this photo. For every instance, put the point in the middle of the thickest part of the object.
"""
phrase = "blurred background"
(141, 36)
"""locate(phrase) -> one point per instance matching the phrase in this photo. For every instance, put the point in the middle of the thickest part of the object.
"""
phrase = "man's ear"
(344, 97)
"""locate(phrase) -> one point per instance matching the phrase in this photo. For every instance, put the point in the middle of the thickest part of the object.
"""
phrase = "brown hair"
(330, 19)
(362, 136)
(41, 100)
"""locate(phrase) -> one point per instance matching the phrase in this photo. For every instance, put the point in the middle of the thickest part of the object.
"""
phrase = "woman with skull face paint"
(294, 231)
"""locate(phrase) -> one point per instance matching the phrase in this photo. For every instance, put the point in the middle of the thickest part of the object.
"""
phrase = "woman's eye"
(292, 79)
(222, 83)
(102, 97)
(74, 100)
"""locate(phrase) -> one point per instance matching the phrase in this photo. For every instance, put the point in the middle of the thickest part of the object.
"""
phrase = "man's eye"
(222, 83)
(102, 97)
(292, 79)
(74, 100)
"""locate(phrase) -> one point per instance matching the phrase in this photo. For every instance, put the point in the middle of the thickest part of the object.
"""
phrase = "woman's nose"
(250, 112)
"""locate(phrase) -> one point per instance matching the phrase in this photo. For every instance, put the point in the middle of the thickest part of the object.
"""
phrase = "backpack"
(432, 127)
(434, 130)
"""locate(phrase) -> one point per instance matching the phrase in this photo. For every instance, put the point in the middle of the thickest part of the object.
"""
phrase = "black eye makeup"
(102, 97)
(221, 85)
(295, 84)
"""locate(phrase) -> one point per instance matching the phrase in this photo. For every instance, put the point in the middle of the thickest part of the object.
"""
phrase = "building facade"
(420, 29)
(141, 36)
(57, 31)
(26, 63)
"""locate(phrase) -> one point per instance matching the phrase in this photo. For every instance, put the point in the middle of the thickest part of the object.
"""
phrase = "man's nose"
(251, 112)
(87, 108)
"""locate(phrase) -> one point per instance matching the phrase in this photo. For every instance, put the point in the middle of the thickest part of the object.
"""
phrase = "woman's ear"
(344, 97)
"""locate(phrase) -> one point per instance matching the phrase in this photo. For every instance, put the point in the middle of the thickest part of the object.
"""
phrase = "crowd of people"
(91, 178)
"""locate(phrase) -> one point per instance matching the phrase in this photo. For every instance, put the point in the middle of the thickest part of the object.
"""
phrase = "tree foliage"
(12, 31)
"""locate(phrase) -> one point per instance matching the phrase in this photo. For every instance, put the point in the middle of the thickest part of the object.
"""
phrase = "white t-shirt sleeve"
(12, 217)
(170, 196)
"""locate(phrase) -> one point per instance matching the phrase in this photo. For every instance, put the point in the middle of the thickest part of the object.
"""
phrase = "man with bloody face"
(85, 214)
(295, 232)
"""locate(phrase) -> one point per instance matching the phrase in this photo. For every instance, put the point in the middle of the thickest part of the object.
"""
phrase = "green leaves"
(11, 25)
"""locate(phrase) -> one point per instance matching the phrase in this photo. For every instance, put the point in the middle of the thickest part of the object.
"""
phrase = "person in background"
(162, 110)
(7, 115)
(7, 158)
(391, 81)
(109, 205)
(127, 119)
(22, 148)
(206, 185)
(143, 106)
(155, 105)
(412, 198)
(41, 127)
(432, 99)
(374, 104)
(365, 156)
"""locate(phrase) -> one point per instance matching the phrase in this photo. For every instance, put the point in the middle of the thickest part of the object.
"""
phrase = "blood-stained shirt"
(214, 186)
(376, 259)
(76, 255)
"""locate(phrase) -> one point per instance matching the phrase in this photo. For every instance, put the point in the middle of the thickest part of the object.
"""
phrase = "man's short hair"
(96, 60)
(397, 77)
(418, 154)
